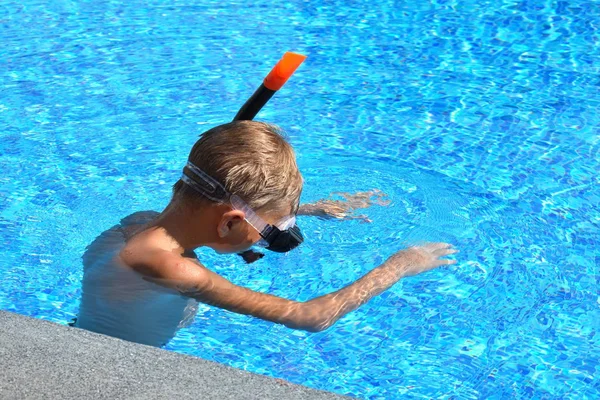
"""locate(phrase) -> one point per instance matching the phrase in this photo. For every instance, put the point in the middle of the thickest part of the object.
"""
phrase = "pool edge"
(44, 358)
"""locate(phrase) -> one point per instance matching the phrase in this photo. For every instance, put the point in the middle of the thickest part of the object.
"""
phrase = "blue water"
(479, 119)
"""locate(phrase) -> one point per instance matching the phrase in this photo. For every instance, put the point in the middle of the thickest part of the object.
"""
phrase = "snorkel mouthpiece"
(281, 72)
(282, 242)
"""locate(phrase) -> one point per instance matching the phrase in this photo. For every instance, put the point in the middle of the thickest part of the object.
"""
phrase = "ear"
(228, 222)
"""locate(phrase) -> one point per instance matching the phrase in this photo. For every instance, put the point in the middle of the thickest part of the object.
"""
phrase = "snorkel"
(278, 238)
(281, 72)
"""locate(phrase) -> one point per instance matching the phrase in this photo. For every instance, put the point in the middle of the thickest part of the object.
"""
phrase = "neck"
(187, 227)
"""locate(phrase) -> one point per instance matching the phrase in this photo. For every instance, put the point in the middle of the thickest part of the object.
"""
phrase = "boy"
(241, 186)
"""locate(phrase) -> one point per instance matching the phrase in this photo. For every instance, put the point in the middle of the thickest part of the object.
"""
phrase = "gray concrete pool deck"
(44, 360)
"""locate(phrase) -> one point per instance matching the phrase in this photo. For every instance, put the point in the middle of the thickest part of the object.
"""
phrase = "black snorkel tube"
(279, 241)
(278, 76)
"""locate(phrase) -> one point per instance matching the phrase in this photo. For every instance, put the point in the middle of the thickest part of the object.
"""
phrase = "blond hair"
(252, 160)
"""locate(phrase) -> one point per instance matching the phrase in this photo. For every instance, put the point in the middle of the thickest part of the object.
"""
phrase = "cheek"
(255, 236)
(247, 237)
(249, 241)
(246, 241)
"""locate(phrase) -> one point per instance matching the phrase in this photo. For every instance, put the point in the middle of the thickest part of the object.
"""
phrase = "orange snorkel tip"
(282, 71)
(278, 76)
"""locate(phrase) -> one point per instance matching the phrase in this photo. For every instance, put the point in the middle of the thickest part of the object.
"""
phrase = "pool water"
(477, 118)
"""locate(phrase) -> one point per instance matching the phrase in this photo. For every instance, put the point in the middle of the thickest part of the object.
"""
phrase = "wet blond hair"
(252, 160)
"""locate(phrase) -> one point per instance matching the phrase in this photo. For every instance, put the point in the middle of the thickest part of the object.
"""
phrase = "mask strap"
(253, 219)
(203, 183)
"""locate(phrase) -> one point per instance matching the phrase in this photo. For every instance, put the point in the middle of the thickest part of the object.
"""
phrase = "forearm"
(412, 261)
(342, 209)
(192, 279)
(245, 301)
(320, 209)
(314, 315)
(322, 312)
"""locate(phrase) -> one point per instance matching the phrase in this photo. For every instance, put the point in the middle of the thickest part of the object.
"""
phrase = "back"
(117, 301)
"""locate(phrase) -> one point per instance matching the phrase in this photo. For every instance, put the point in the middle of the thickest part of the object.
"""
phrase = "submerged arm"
(342, 209)
(330, 209)
(193, 280)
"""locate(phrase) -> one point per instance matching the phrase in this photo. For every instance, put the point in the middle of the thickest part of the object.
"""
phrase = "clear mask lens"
(286, 222)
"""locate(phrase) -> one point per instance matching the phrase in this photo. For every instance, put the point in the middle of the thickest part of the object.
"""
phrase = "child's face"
(237, 234)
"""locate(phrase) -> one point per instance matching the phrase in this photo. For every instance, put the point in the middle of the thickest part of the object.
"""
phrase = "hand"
(416, 260)
(341, 209)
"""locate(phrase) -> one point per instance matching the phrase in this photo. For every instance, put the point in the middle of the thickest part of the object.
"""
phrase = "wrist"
(399, 262)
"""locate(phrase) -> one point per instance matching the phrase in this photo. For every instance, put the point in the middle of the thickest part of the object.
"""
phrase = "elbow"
(312, 319)
(312, 327)
(317, 327)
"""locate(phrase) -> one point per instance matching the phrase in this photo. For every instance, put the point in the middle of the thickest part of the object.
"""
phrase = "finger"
(445, 252)
(437, 246)
(378, 194)
(446, 262)
(364, 219)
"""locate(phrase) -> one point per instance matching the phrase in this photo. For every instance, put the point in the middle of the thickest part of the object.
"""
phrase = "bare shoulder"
(162, 266)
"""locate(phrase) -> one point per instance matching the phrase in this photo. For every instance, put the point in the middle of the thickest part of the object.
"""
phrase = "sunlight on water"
(477, 118)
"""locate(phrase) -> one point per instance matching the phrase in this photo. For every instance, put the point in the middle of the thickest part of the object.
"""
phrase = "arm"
(324, 311)
(191, 279)
(341, 209)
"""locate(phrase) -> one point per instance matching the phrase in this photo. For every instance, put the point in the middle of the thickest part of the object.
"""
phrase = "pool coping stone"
(42, 359)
